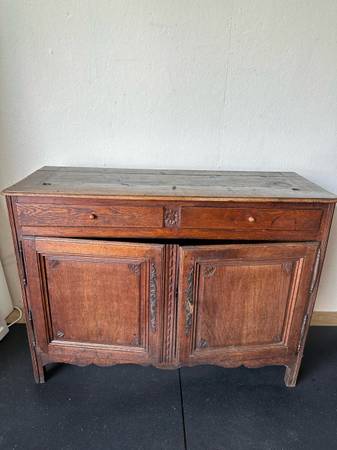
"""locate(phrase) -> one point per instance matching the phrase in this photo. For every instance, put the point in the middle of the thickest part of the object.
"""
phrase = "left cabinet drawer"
(43, 214)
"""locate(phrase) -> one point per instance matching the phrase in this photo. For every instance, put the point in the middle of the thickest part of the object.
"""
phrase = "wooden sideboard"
(168, 268)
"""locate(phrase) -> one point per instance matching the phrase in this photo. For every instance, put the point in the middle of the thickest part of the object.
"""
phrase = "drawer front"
(251, 218)
(89, 216)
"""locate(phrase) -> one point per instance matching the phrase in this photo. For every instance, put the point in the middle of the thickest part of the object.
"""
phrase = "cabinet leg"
(290, 377)
(39, 371)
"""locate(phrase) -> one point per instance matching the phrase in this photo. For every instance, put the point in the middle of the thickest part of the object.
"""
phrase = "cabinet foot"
(291, 374)
(39, 372)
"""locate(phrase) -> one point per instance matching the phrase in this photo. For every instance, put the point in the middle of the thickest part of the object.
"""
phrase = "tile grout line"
(182, 409)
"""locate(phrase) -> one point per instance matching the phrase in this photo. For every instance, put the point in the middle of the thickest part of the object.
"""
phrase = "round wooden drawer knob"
(251, 219)
(92, 216)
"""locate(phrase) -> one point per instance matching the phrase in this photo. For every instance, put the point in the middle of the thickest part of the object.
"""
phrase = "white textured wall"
(5, 299)
(242, 84)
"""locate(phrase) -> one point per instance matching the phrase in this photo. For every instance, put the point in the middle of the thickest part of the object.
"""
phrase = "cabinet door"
(243, 304)
(95, 301)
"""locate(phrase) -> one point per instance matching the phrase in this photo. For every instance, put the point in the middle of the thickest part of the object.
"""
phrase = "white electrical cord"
(19, 318)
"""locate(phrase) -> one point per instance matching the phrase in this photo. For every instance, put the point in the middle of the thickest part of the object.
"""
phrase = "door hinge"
(315, 271)
(23, 265)
(301, 342)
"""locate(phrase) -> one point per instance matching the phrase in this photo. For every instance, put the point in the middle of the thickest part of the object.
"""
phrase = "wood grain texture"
(168, 183)
(319, 318)
(37, 364)
(90, 299)
(35, 214)
(293, 369)
(251, 218)
(242, 299)
(95, 295)
(54, 216)
(169, 313)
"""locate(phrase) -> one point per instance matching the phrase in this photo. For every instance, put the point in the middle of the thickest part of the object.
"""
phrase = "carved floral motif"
(209, 270)
(135, 268)
(171, 217)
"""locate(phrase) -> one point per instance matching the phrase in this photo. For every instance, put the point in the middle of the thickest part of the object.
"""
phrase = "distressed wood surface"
(227, 303)
(176, 184)
(159, 301)
(95, 295)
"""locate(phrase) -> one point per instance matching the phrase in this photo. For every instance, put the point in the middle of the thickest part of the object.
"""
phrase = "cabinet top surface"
(169, 184)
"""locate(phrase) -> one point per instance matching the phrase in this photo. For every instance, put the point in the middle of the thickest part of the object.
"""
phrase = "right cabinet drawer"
(251, 218)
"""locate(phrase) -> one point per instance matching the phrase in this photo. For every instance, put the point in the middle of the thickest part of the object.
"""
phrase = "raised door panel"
(243, 302)
(99, 300)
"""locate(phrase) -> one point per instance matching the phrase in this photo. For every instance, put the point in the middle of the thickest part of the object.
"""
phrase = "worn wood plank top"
(172, 184)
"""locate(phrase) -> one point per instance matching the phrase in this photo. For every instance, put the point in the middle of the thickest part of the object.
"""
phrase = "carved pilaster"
(169, 331)
(153, 297)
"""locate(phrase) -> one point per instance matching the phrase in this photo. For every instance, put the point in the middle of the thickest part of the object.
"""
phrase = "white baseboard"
(324, 318)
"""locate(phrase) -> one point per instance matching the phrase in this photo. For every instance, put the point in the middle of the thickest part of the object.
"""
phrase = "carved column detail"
(169, 331)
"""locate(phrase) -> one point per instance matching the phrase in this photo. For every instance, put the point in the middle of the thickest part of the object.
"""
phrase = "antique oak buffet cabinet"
(168, 268)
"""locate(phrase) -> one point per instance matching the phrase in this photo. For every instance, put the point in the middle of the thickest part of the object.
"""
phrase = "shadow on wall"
(16, 129)
(327, 294)
(5, 299)
(11, 169)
